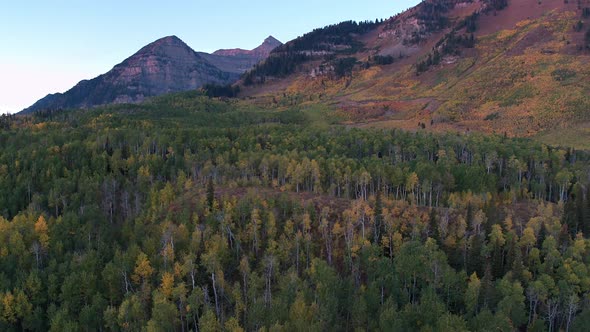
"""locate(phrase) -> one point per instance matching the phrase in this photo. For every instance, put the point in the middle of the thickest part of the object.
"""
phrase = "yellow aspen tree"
(168, 254)
(167, 285)
(42, 232)
(7, 311)
(233, 325)
(143, 269)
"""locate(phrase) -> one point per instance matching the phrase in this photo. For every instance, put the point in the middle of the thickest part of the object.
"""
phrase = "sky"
(49, 46)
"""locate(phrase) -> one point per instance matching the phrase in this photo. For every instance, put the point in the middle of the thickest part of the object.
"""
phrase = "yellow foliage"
(523, 23)
(168, 253)
(40, 126)
(505, 34)
(233, 325)
(143, 269)
(178, 270)
(42, 232)
(167, 284)
(8, 304)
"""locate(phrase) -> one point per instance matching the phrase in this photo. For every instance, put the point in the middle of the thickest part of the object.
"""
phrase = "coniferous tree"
(433, 228)
(210, 193)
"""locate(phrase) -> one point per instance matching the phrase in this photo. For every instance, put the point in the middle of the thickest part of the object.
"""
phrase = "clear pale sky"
(49, 46)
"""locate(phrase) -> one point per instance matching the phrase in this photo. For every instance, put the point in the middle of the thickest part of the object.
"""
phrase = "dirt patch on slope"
(518, 11)
(537, 36)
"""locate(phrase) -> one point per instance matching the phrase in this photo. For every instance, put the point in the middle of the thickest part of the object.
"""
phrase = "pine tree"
(570, 217)
(542, 234)
(474, 259)
(517, 264)
(585, 226)
(488, 289)
(433, 229)
(378, 211)
(210, 193)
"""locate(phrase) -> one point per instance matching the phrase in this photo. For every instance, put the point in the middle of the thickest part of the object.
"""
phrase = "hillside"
(189, 213)
(520, 69)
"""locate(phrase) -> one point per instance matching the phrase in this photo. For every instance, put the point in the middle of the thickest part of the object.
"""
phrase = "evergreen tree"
(433, 228)
(210, 193)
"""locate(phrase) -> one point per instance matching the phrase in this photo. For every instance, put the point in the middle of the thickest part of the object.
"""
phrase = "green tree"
(210, 193)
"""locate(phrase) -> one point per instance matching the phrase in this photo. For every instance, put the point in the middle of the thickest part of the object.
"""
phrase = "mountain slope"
(166, 65)
(238, 61)
(260, 52)
(444, 65)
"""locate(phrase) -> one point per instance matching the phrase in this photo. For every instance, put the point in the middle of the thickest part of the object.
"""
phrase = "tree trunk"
(215, 294)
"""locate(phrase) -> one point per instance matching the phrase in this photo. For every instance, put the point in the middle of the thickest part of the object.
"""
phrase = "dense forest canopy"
(190, 213)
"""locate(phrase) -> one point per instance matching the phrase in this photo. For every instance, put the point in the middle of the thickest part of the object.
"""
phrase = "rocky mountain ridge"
(163, 66)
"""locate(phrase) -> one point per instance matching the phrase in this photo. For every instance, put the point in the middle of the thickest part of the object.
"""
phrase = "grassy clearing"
(578, 138)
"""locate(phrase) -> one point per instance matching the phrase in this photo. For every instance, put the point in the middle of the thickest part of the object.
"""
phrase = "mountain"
(260, 52)
(237, 60)
(164, 66)
(517, 67)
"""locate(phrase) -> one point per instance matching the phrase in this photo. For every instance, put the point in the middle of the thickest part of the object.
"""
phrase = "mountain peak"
(165, 44)
(269, 44)
(259, 52)
(163, 66)
(169, 39)
(272, 40)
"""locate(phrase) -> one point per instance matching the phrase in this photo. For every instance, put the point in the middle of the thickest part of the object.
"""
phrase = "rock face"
(237, 60)
(261, 52)
(164, 66)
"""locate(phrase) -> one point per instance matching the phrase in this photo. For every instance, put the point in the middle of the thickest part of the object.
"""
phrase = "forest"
(330, 40)
(189, 213)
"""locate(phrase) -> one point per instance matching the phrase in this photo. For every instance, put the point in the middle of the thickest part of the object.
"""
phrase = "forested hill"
(517, 67)
(189, 213)
(383, 175)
